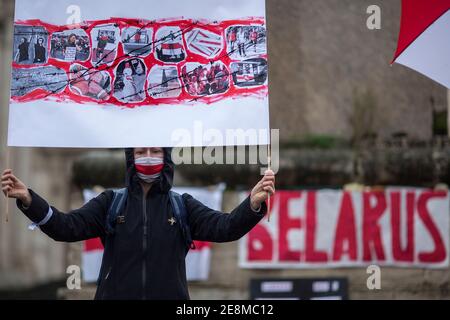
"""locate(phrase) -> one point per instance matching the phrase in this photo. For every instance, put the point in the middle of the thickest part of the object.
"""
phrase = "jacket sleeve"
(214, 226)
(85, 223)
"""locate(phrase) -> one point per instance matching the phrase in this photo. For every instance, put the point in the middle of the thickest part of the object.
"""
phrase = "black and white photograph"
(164, 82)
(27, 80)
(203, 42)
(137, 41)
(30, 45)
(105, 40)
(70, 45)
(130, 81)
(248, 73)
(89, 83)
(169, 45)
(246, 41)
(208, 79)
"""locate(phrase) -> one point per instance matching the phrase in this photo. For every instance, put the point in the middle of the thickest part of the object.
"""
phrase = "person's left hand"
(263, 189)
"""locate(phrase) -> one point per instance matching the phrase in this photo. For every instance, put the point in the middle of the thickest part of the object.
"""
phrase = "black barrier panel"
(299, 289)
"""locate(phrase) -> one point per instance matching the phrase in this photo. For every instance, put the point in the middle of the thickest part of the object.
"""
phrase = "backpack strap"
(180, 213)
(116, 207)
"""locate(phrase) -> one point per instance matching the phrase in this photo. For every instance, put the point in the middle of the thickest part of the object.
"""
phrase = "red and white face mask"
(149, 169)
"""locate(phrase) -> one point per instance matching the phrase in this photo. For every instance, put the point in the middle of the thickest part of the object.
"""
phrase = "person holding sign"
(146, 228)
(71, 48)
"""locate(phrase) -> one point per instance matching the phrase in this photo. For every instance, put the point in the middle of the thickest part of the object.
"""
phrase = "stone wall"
(323, 59)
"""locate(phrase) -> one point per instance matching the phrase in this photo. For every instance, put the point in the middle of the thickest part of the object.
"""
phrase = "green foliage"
(440, 123)
(315, 142)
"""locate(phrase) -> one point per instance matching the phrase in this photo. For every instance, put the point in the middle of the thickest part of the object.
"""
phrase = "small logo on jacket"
(172, 221)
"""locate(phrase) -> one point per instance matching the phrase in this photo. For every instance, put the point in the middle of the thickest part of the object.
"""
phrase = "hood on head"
(166, 180)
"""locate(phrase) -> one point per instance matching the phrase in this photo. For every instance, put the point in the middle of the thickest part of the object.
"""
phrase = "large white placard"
(103, 74)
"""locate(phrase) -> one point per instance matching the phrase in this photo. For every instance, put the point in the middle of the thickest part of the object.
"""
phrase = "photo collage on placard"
(131, 63)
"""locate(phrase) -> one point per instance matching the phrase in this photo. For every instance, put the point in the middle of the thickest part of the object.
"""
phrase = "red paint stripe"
(210, 42)
(418, 16)
(197, 48)
(172, 46)
(190, 36)
(203, 34)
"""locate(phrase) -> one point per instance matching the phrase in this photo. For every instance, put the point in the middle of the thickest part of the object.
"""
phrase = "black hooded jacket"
(145, 256)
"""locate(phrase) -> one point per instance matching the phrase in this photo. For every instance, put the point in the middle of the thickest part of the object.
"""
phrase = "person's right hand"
(14, 188)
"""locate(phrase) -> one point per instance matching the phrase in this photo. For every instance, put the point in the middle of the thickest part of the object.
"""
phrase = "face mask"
(149, 169)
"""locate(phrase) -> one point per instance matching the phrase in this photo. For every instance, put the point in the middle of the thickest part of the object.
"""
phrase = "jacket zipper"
(107, 275)
(144, 246)
(102, 283)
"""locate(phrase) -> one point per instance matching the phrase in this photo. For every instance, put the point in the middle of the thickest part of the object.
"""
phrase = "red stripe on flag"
(200, 50)
(200, 245)
(149, 170)
(171, 46)
(210, 42)
(93, 244)
(418, 16)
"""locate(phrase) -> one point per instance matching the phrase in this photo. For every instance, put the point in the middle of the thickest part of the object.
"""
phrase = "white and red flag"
(170, 49)
(423, 43)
